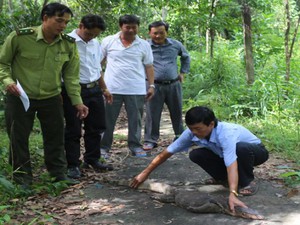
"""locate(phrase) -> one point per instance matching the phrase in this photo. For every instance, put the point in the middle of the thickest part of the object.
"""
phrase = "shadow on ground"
(135, 207)
(123, 205)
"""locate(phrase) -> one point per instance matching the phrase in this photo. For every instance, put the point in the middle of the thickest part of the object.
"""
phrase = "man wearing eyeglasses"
(93, 88)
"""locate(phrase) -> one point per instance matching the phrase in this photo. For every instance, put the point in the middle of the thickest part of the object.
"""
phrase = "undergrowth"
(269, 108)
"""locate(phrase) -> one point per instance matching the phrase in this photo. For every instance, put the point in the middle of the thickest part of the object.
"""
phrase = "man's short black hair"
(55, 8)
(158, 24)
(200, 114)
(91, 21)
(129, 19)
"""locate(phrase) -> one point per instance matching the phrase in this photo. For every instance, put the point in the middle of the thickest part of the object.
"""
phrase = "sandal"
(138, 152)
(249, 190)
(148, 146)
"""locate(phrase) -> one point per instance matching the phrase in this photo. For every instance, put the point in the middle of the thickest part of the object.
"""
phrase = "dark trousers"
(134, 106)
(171, 95)
(248, 156)
(93, 126)
(19, 125)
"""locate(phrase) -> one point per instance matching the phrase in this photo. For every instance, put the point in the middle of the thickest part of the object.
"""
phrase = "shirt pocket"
(62, 57)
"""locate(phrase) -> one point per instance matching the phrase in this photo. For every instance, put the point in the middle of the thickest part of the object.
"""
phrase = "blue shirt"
(165, 59)
(222, 141)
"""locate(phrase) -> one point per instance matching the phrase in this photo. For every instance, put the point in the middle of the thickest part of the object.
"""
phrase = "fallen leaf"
(292, 193)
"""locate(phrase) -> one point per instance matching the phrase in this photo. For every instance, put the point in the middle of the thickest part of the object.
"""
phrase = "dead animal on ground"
(193, 200)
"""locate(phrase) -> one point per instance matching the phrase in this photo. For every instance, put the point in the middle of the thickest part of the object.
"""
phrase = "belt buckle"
(91, 85)
(166, 82)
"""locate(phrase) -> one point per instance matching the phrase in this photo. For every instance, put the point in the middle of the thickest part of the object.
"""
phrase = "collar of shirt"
(78, 38)
(168, 42)
(40, 35)
(137, 39)
(75, 35)
(212, 139)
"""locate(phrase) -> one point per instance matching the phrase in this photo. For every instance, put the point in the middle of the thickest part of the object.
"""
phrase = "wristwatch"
(235, 193)
(152, 86)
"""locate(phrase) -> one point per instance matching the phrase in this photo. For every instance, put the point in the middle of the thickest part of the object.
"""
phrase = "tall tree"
(1, 5)
(289, 48)
(246, 15)
(210, 30)
(246, 12)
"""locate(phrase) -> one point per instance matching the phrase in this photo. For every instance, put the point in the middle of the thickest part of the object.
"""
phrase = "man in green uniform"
(37, 58)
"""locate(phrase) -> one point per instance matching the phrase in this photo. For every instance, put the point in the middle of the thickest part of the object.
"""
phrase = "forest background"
(244, 60)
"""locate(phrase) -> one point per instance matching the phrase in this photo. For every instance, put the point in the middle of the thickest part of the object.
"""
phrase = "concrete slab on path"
(135, 207)
(122, 205)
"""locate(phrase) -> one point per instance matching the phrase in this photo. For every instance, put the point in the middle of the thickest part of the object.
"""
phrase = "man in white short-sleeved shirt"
(129, 62)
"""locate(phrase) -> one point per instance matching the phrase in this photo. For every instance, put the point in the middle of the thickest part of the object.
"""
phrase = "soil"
(98, 201)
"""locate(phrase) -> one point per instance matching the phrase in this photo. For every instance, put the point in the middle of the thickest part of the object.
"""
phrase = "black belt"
(165, 82)
(89, 85)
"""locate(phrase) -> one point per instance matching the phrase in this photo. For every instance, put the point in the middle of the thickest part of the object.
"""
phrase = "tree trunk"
(246, 12)
(10, 5)
(1, 6)
(210, 32)
(164, 13)
(286, 41)
(212, 41)
(294, 37)
(207, 41)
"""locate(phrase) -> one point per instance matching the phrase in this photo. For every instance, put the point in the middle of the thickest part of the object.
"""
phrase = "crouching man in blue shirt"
(228, 152)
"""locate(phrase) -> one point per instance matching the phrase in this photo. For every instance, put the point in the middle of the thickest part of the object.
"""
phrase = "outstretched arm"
(159, 159)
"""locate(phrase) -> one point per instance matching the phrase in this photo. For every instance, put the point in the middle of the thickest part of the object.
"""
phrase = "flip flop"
(148, 146)
(138, 152)
(249, 190)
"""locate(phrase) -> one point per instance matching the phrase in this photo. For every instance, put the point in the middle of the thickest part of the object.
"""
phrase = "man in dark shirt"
(167, 82)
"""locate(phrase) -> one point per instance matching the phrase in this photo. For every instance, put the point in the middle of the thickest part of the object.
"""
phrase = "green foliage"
(45, 184)
(269, 107)
(291, 178)
(271, 104)
(6, 186)
(4, 217)
(25, 15)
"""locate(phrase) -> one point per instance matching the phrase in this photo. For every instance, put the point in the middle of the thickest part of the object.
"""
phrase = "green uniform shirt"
(38, 66)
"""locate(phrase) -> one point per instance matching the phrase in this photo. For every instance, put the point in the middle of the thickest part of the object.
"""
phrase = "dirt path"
(126, 206)
(96, 201)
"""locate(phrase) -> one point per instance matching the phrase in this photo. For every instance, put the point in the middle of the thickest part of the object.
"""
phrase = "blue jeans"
(134, 106)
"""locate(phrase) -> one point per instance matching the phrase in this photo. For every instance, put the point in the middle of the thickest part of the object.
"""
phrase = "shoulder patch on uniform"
(24, 31)
(68, 38)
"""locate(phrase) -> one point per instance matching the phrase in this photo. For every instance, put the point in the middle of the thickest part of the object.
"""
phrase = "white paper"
(24, 98)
